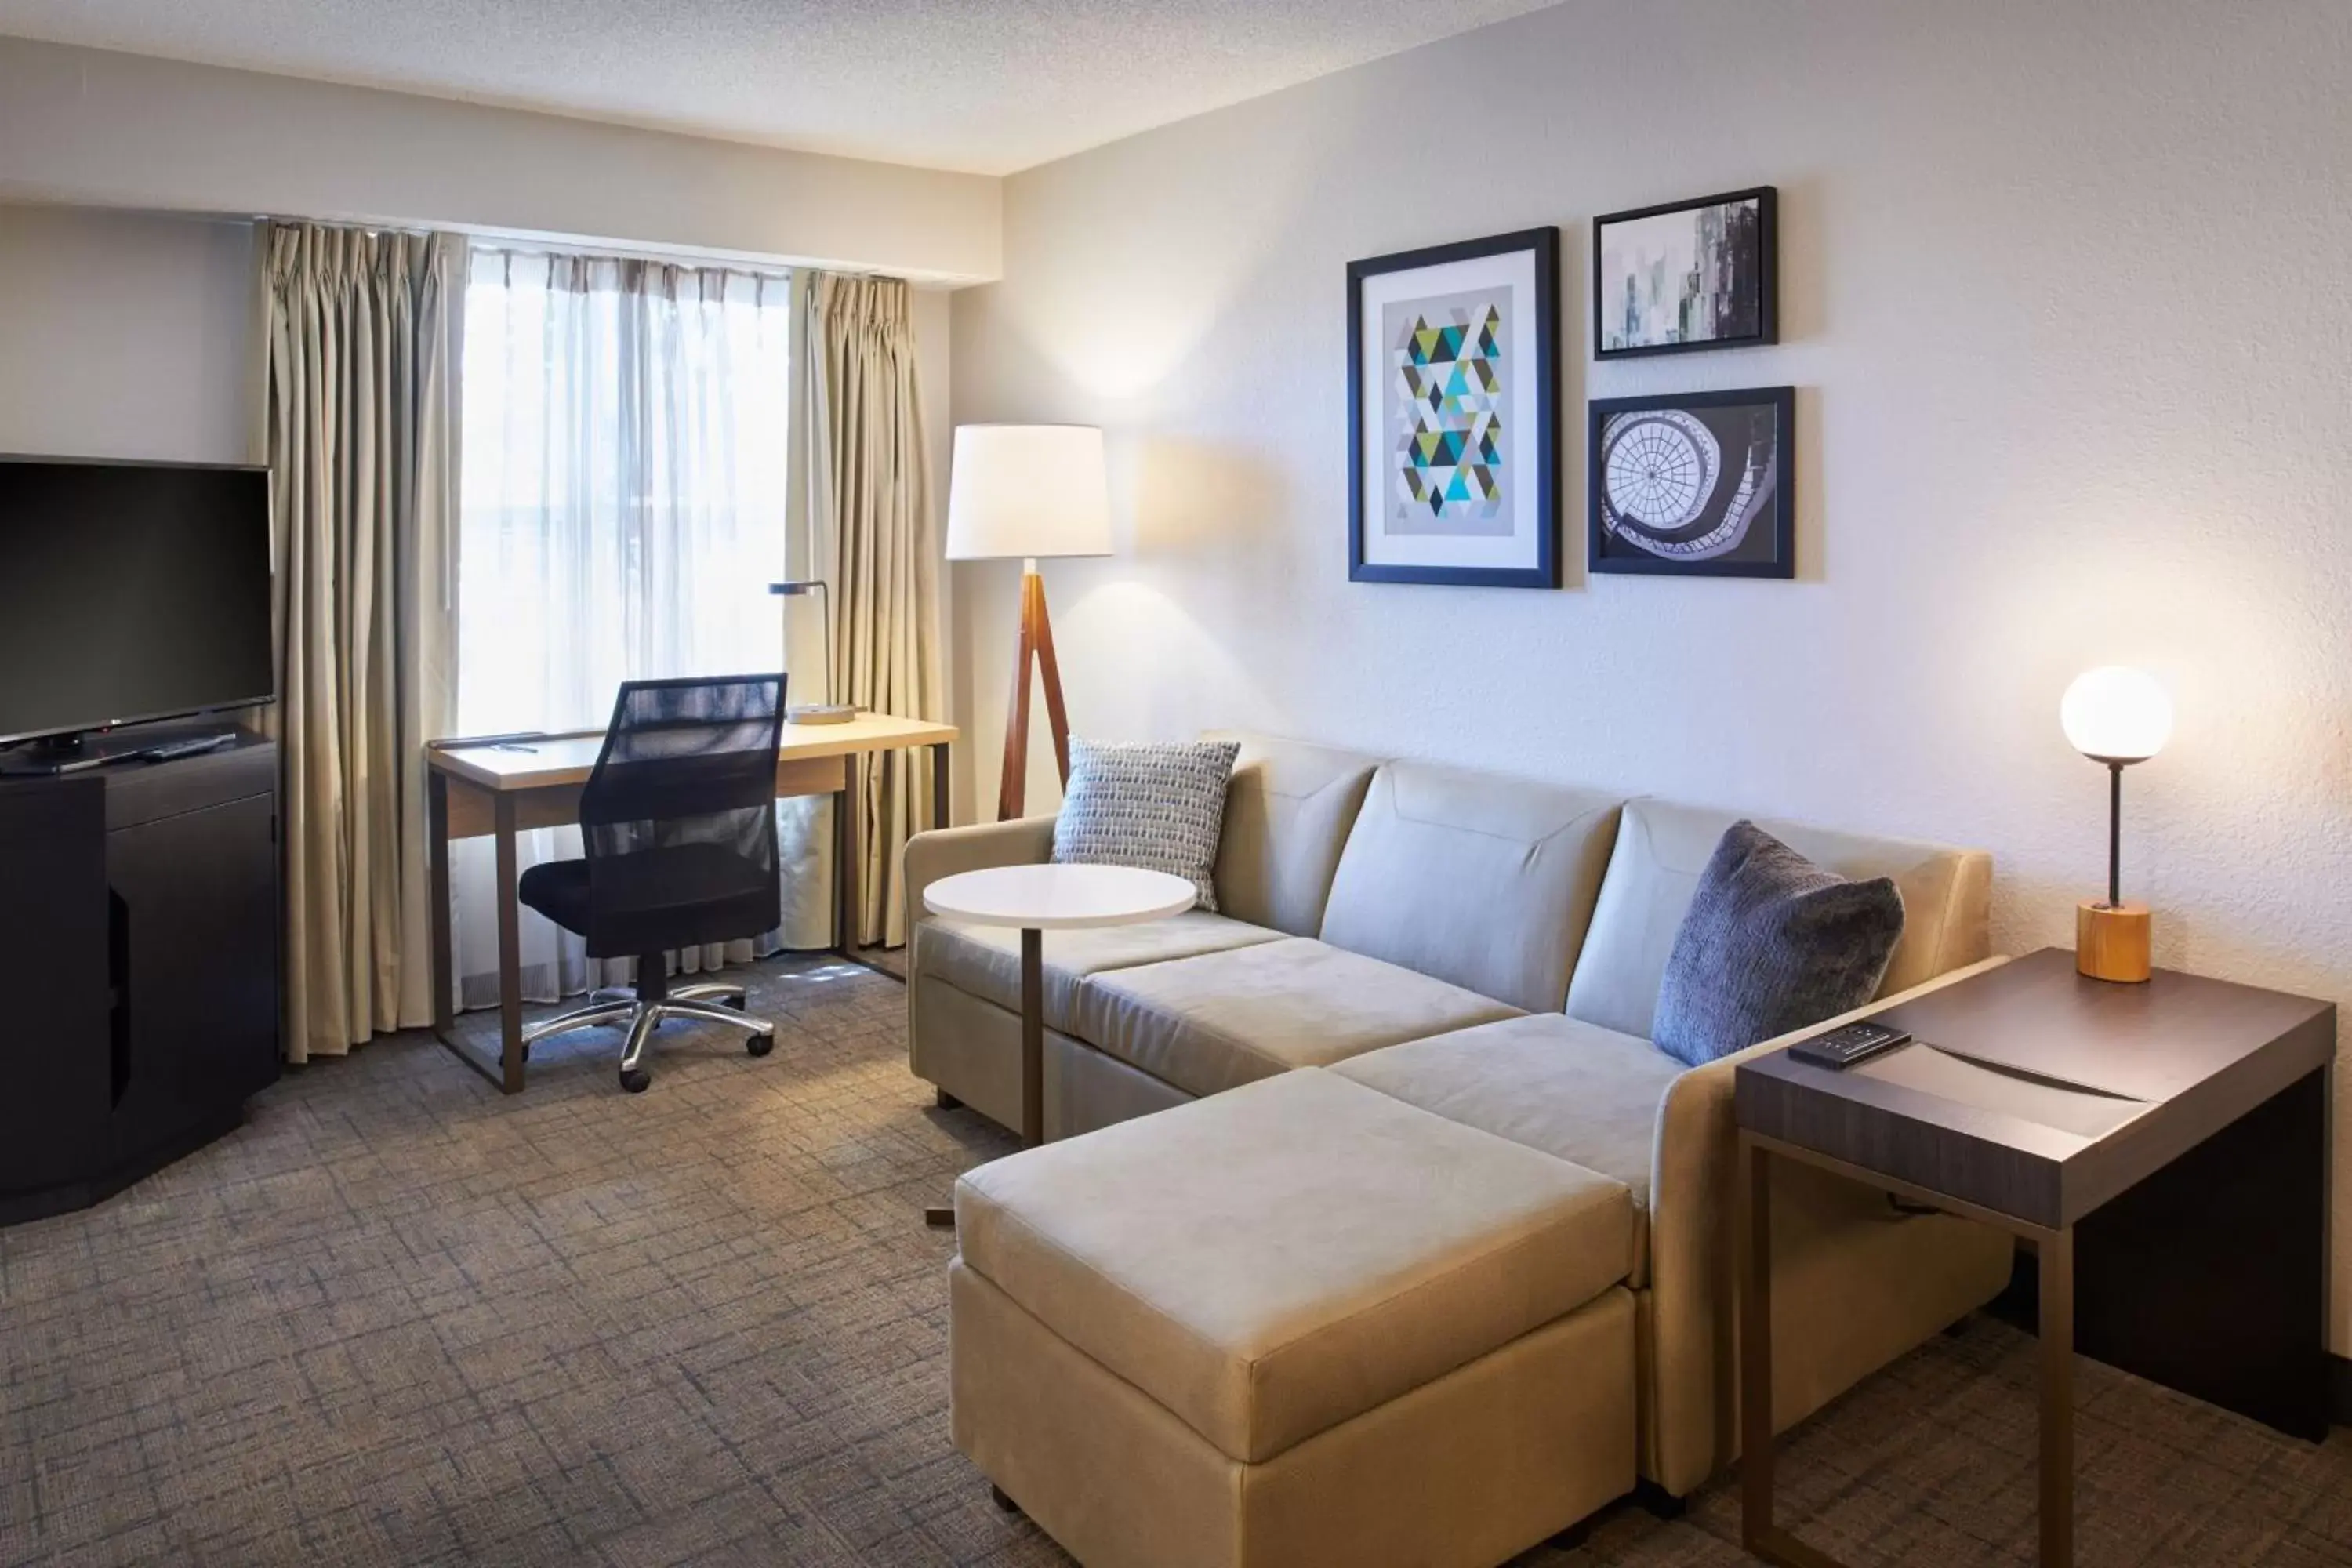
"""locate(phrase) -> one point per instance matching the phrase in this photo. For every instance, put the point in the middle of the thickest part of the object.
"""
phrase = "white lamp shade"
(2116, 715)
(1027, 490)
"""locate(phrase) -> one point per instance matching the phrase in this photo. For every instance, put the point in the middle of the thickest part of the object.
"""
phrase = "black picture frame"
(1768, 553)
(1767, 273)
(1542, 387)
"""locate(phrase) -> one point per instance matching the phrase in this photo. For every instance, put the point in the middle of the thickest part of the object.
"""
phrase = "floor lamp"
(1030, 492)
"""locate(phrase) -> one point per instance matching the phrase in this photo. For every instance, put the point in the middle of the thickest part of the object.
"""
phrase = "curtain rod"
(560, 245)
(524, 245)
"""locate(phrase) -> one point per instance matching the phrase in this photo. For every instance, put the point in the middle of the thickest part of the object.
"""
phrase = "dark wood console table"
(2162, 1147)
(138, 902)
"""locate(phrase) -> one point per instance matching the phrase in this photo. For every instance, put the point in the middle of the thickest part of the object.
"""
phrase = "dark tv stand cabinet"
(139, 910)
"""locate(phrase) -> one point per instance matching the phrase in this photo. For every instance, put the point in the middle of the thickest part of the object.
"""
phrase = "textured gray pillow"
(1772, 942)
(1154, 804)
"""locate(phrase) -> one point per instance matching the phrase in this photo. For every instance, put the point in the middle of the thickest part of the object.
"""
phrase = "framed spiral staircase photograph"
(1693, 484)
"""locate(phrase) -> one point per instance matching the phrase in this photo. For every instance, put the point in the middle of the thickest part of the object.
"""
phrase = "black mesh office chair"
(680, 820)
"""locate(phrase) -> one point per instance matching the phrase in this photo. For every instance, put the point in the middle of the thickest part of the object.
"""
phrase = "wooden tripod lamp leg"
(1050, 669)
(1012, 784)
(1035, 644)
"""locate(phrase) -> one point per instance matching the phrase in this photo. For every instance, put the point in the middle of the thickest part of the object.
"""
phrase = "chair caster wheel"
(760, 1045)
(635, 1079)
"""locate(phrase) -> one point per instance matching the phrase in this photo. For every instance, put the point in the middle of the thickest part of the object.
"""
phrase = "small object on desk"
(467, 742)
(2117, 716)
(816, 712)
(1848, 1044)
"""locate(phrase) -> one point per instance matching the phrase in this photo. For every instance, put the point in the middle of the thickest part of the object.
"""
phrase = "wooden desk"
(2162, 1146)
(487, 791)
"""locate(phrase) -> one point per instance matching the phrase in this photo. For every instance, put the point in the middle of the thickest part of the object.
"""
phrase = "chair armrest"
(944, 851)
(1693, 1163)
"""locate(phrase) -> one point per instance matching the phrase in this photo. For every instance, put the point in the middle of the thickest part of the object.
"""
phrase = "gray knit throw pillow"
(1156, 804)
(1772, 942)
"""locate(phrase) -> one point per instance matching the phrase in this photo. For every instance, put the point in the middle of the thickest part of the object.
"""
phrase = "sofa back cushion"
(1478, 880)
(1662, 847)
(1288, 813)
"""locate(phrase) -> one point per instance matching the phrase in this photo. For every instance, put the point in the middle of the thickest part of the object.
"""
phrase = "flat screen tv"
(130, 592)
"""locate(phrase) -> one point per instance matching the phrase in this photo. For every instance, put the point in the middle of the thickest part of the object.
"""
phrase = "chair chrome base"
(707, 1004)
(706, 991)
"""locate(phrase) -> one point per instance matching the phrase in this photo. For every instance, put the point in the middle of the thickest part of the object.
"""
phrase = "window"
(623, 492)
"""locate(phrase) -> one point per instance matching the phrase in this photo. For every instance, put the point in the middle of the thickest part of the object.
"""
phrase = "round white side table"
(1036, 900)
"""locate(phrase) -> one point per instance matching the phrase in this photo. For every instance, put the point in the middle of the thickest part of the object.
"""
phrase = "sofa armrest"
(1694, 1166)
(944, 851)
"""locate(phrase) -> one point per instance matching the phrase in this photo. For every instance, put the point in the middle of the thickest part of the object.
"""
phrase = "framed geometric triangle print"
(1453, 434)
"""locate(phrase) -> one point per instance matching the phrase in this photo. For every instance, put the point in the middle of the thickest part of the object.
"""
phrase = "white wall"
(126, 335)
(96, 128)
(2063, 291)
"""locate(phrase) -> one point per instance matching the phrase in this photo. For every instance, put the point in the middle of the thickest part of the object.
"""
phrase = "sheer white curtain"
(622, 509)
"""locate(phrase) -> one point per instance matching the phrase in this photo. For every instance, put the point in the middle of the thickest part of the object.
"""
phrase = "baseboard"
(2339, 1389)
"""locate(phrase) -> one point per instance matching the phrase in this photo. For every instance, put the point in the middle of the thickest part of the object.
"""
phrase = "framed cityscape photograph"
(1452, 438)
(1687, 276)
(1693, 484)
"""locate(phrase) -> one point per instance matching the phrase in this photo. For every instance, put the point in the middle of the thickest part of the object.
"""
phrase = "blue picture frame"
(1529, 444)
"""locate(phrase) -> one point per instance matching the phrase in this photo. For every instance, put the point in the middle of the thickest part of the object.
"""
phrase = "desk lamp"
(2118, 717)
(827, 712)
(1028, 490)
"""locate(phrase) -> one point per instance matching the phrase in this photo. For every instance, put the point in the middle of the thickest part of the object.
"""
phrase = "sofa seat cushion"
(1274, 1261)
(985, 961)
(1212, 1023)
(1575, 1090)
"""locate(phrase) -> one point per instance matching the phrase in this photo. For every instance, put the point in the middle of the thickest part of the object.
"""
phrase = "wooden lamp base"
(1035, 648)
(2111, 940)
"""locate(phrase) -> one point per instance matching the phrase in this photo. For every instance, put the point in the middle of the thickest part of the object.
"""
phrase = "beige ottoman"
(1297, 1323)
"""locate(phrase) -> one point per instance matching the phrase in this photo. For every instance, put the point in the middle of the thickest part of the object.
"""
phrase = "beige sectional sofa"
(1440, 1260)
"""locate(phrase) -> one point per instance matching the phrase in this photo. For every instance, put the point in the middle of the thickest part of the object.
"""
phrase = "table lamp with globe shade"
(2118, 717)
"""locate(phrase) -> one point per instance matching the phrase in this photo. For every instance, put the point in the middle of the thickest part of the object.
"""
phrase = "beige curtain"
(360, 436)
(870, 514)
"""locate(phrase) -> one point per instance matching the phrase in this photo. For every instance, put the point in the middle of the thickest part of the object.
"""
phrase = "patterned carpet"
(397, 1319)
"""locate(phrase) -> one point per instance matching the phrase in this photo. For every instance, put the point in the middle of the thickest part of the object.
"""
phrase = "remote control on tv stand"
(172, 751)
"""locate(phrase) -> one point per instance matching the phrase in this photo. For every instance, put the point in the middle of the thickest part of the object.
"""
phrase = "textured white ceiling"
(990, 85)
